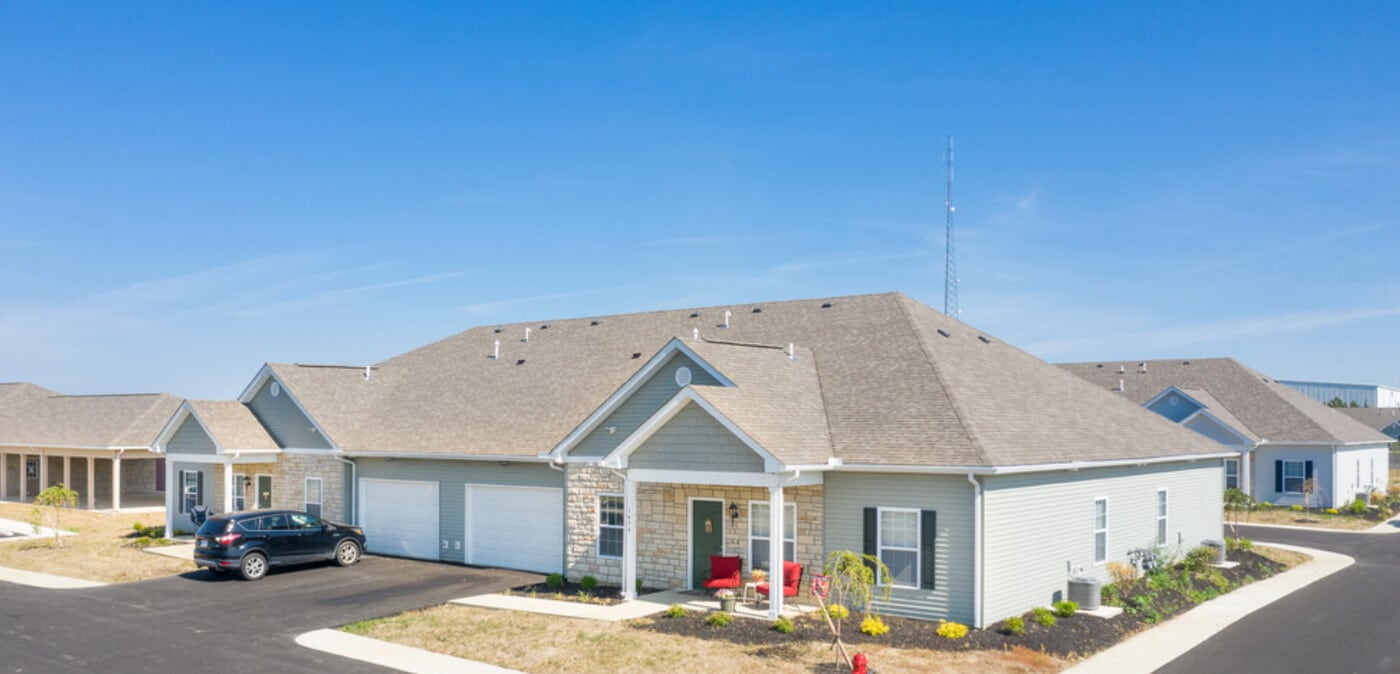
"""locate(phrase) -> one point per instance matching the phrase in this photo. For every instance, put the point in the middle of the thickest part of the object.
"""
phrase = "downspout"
(354, 502)
(977, 598)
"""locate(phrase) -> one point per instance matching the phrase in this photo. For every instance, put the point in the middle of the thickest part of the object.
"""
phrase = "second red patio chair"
(725, 573)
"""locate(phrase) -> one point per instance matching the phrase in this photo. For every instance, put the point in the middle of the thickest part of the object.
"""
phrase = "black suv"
(252, 541)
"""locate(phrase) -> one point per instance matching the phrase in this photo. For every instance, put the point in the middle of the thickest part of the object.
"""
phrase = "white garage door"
(400, 517)
(515, 527)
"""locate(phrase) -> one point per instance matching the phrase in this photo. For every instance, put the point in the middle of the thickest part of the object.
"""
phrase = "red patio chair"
(724, 573)
(792, 578)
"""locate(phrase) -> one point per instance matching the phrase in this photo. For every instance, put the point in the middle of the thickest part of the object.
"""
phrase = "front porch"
(114, 480)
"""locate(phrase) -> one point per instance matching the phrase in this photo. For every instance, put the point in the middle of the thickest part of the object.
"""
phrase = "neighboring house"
(1385, 419)
(1360, 395)
(1281, 437)
(98, 445)
(633, 447)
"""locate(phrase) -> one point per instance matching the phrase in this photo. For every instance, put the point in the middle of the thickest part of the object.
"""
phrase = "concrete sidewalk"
(47, 581)
(393, 656)
(1160, 645)
(645, 605)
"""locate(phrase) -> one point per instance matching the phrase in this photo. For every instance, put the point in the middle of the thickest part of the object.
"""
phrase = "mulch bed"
(1077, 635)
(605, 595)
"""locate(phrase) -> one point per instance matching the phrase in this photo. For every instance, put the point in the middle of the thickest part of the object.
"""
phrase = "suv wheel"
(253, 566)
(347, 553)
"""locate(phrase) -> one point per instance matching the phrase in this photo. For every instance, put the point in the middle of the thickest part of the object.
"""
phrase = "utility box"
(1086, 592)
(1218, 547)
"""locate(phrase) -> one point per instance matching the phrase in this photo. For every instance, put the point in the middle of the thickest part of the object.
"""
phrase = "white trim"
(617, 458)
(239, 491)
(1302, 475)
(622, 527)
(724, 479)
(430, 456)
(234, 458)
(1095, 552)
(625, 391)
(1239, 484)
(749, 538)
(1205, 414)
(690, 536)
(917, 549)
(257, 495)
(1163, 510)
(1028, 468)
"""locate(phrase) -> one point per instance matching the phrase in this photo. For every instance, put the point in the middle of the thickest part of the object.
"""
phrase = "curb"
(393, 656)
(47, 581)
(1153, 648)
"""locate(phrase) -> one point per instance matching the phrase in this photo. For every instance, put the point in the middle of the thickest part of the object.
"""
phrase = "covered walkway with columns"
(105, 479)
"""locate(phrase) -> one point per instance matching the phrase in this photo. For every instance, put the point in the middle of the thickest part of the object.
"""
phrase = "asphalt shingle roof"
(232, 424)
(37, 417)
(1261, 406)
(1379, 418)
(898, 384)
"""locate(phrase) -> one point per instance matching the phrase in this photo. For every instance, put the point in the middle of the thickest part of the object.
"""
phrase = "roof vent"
(758, 310)
(527, 336)
(1120, 369)
(544, 326)
(727, 314)
(1120, 386)
(695, 314)
(1100, 366)
(695, 333)
(1142, 368)
(636, 355)
(520, 362)
(367, 373)
(497, 331)
(496, 352)
(593, 322)
(1185, 362)
(983, 339)
(826, 305)
(945, 333)
(791, 351)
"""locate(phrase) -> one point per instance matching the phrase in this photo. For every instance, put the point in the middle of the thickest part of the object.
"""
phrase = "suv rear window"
(213, 527)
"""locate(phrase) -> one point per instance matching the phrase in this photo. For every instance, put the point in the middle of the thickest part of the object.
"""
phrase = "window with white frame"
(191, 490)
(759, 533)
(1294, 472)
(610, 518)
(313, 496)
(899, 545)
(1161, 517)
(1100, 530)
(240, 493)
(1232, 473)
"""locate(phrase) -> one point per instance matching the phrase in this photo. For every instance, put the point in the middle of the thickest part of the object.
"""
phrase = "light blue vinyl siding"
(1214, 431)
(846, 495)
(452, 478)
(190, 438)
(694, 440)
(213, 491)
(1039, 527)
(637, 408)
(284, 420)
(1176, 412)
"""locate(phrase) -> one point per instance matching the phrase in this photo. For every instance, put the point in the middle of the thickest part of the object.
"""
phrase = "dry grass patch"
(537, 643)
(100, 551)
(1287, 558)
(1313, 518)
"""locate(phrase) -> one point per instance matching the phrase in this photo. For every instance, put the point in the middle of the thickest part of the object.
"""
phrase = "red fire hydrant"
(858, 664)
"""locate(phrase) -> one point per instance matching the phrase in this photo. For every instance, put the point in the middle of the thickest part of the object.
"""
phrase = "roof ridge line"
(953, 400)
(826, 418)
(143, 413)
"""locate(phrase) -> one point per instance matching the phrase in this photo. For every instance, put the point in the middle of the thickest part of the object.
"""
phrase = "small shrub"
(1296, 508)
(639, 586)
(1122, 574)
(1066, 608)
(554, 580)
(1266, 505)
(874, 626)
(585, 596)
(949, 630)
(1044, 616)
(838, 612)
(1237, 544)
(781, 626)
(675, 611)
(1332, 511)
(1357, 507)
(588, 583)
(1013, 626)
(558, 596)
(719, 619)
(1200, 558)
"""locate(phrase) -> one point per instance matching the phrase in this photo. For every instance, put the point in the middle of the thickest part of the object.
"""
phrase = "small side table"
(751, 586)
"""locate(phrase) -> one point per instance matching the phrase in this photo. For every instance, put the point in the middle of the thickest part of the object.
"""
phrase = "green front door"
(264, 491)
(706, 537)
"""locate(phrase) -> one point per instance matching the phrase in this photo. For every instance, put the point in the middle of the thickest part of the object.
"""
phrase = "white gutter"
(1030, 468)
(1320, 443)
(448, 457)
(977, 594)
(37, 446)
(354, 502)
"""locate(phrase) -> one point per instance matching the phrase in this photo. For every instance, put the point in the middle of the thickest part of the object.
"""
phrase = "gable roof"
(32, 416)
(1261, 407)
(232, 425)
(1221, 413)
(895, 382)
(1379, 418)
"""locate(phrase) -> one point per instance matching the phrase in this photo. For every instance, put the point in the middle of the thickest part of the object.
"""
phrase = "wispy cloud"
(342, 295)
(499, 306)
(1201, 333)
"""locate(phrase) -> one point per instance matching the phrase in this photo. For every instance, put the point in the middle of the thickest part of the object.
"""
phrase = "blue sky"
(188, 190)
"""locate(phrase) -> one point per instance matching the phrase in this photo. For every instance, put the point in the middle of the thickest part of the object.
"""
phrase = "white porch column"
(1246, 473)
(228, 485)
(43, 471)
(67, 471)
(23, 478)
(92, 483)
(775, 551)
(170, 491)
(629, 539)
(4, 477)
(117, 483)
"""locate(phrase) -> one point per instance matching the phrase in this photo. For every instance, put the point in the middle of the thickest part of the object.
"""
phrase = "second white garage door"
(400, 517)
(515, 527)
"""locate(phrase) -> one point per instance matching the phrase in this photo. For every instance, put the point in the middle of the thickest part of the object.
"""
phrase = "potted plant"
(759, 576)
(726, 600)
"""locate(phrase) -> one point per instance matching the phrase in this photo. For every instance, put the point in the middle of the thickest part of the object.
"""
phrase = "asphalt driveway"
(1343, 623)
(200, 622)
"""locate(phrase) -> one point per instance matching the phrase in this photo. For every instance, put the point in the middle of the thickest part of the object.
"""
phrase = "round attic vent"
(683, 376)
(1173, 400)
(275, 389)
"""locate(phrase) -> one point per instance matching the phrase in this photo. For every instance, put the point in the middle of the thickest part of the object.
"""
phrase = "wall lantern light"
(733, 512)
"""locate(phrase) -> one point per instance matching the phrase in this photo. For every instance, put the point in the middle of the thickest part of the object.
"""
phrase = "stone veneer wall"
(663, 525)
(289, 484)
